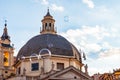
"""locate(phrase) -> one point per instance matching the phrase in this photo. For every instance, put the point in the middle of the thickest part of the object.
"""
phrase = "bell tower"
(48, 24)
(6, 54)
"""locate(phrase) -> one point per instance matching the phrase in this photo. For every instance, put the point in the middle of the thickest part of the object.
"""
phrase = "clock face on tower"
(6, 58)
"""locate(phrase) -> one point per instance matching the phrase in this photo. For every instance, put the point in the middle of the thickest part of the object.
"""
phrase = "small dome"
(48, 14)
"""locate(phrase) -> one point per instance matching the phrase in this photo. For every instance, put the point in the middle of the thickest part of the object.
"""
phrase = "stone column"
(47, 64)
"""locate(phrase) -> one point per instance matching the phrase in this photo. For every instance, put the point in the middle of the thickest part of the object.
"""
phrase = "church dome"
(49, 42)
(57, 45)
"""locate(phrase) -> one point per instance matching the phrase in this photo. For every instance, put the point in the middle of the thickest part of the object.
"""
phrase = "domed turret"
(48, 24)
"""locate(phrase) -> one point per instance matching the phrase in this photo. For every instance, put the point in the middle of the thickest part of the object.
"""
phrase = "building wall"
(26, 64)
(56, 60)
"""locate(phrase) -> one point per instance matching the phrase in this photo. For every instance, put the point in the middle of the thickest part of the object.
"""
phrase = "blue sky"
(91, 25)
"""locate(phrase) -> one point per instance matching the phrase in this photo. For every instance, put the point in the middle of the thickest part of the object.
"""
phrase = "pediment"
(69, 73)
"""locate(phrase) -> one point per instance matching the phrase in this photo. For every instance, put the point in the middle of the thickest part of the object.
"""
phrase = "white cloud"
(57, 8)
(93, 47)
(54, 7)
(45, 2)
(97, 31)
(88, 38)
(106, 45)
(110, 52)
(107, 61)
(89, 3)
(103, 13)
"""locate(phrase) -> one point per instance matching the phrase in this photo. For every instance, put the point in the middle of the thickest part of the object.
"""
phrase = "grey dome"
(57, 45)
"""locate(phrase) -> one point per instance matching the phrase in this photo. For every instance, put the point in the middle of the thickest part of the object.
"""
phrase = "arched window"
(45, 24)
(50, 24)
(19, 70)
